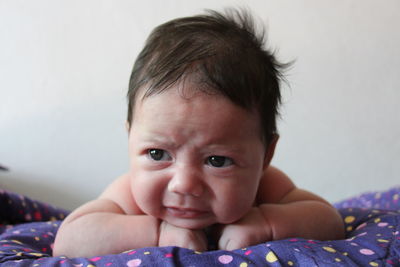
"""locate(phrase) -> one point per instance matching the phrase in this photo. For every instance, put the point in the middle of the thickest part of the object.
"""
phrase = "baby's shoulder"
(274, 185)
(120, 192)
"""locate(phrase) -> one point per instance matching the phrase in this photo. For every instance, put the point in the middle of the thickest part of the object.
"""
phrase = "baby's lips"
(185, 212)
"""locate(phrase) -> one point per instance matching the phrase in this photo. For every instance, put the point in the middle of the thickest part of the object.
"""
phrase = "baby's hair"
(221, 53)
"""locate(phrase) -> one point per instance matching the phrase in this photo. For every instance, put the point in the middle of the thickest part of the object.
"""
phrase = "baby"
(203, 100)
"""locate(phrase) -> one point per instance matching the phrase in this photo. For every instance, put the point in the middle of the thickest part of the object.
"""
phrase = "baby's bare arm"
(292, 212)
(306, 218)
(283, 211)
(103, 227)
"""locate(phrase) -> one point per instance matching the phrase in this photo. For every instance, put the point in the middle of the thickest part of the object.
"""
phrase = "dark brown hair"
(224, 50)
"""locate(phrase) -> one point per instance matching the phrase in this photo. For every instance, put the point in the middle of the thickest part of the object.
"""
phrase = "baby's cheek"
(145, 193)
(233, 211)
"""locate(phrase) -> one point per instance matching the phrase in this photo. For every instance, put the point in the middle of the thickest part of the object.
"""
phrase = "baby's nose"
(186, 181)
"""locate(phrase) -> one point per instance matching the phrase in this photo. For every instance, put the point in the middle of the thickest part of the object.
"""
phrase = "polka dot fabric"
(372, 222)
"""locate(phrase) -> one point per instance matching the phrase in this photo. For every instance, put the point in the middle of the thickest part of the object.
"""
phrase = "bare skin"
(298, 213)
(196, 161)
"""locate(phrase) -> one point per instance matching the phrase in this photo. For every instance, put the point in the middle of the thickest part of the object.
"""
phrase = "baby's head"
(222, 54)
(203, 100)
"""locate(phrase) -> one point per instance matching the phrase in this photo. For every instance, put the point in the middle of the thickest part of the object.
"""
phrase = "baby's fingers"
(230, 244)
(232, 239)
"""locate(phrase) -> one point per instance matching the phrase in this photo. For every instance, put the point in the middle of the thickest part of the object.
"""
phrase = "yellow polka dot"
(146, 253)
(197, 252)
(377, 220)
(338, 260)
(383, 240)
(243, 264)
(349, 228)
(378, 234)
(52, 218)
(91, 265)
(19, 254)
(349, 219)
(378, 195)
(329, 249)
(16, 241)
(35, 265)
(396, 197)
(372, 263)
(37, 238)
(33, 230)
(290, 263)
(345, 253)
(36, 254)
(271, 257)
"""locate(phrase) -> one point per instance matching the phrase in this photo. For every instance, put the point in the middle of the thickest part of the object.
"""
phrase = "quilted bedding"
(372, 220)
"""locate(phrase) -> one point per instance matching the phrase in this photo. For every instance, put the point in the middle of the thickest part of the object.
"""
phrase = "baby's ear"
(269, 153)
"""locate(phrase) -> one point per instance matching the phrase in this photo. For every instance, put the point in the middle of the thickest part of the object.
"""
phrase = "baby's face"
(195, 160)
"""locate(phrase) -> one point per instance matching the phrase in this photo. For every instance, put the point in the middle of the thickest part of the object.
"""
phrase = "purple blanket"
(28, 227)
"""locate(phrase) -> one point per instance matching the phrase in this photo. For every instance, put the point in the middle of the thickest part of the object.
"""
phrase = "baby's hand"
(252, 229)
(171, 235)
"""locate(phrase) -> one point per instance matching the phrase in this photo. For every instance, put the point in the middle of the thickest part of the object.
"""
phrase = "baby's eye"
(219, 161)
(158, 154)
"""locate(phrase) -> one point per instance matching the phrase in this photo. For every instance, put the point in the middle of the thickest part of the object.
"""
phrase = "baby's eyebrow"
(159, 139)
(235, 149)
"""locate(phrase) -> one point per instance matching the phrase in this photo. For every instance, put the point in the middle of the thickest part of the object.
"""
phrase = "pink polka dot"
(95, 259)
(109, 264)
(366, 251)
(134, 263)
(225, 259)
(38, 216)
(132, 252)
(383, 224)
(361, 226)
(168, 255)
(248, 252)
(293, 240)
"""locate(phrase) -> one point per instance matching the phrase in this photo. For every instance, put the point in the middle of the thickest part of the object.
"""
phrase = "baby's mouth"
(185, 212)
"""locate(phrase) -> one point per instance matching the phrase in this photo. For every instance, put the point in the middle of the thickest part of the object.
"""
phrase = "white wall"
(65, 65)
